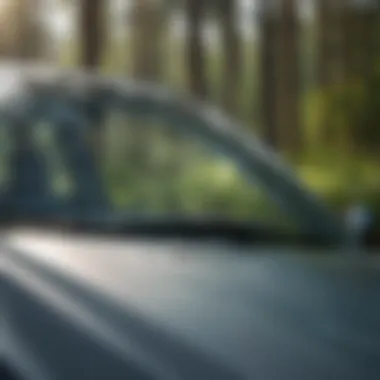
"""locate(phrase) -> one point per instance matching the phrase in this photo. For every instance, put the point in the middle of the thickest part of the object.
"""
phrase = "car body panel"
(187, 310)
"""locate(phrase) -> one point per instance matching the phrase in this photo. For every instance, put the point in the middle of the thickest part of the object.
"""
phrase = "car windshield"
(138, 154)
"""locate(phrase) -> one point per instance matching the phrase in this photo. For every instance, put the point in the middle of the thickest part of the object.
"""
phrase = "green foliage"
(351, 111)
(329, 167)
(343, 180)
(211, 189)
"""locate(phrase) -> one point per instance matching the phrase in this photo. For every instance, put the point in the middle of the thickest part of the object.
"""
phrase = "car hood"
(208, 310)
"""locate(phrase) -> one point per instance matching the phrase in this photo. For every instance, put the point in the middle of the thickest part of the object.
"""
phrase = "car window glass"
(150, 167)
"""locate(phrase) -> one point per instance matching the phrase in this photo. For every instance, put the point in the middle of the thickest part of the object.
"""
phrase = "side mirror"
(359, 220)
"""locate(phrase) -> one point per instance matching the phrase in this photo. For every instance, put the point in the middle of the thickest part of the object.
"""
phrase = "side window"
(153, 168)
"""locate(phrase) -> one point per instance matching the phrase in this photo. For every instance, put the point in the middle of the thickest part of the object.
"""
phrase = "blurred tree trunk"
(348, 60)
(287, 68)
(327, 59)
(147, 20)
(195, 10)
(325, 33)
(362, 63)
(23, 25)
(92, 39)
(92, 33)
(351, 39)
(21, 35)
(148, 27)
(267, 25)
(370, 33)
(232, 55)
(332, 61)
(360, 28)
(352, 73)
(343, 39)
